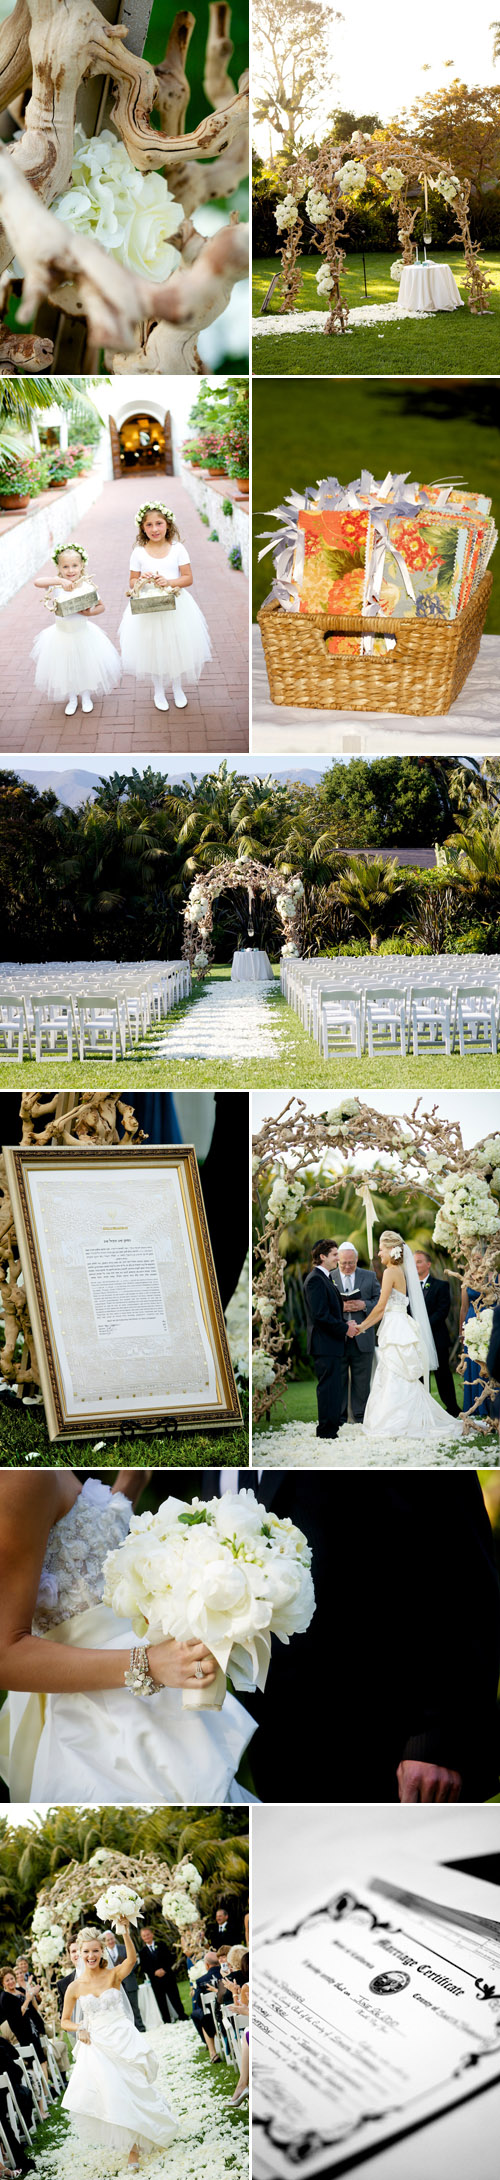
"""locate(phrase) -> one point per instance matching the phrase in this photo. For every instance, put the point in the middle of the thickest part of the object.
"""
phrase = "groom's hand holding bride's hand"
(174, 1664)
(352, 1329)
(419, 1782)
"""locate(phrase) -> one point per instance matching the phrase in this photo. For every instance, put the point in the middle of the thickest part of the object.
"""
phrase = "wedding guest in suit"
(226, 1927)
(326, 1336)
(437, 1299)
(155, 1959)
(116, 1951)
(361, 1290)
(393, 1690)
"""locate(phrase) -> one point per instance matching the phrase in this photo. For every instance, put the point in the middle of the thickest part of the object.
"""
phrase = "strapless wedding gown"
(398, 1405)
(111, 2096)
(110, 1746)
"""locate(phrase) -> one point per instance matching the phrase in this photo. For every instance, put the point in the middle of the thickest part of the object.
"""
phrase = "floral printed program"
(333, 578)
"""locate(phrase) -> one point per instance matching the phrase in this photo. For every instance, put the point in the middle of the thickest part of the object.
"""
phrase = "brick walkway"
(216, 717)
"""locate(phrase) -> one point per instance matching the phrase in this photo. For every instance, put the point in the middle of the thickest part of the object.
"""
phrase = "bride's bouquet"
(119, 1901)
(224, 1572)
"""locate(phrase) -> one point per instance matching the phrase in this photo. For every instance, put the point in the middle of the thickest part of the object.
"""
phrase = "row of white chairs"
(235, 2023)
(395, 1014)
(86, 1015)
(40, 2091)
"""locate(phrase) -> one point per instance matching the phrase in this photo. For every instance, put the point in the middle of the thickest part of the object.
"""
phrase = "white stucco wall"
(24, 548)
(232, 529)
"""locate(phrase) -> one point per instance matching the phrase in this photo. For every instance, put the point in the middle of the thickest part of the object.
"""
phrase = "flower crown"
(71, 548)
(155, 507)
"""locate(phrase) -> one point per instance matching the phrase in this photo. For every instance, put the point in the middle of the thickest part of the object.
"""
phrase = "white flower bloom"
(201, 958)
(263, 1308)
(131, 214)
(317, 206)
(394, 177)
(117, 1901)
(177, 1907)
(190, 1876)
(477, 1334)
(217, 1573)
(351, 176)
(49, 1947)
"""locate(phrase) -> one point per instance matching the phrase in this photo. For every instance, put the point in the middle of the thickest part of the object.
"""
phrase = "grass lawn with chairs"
(297, 1064)
(451, 343)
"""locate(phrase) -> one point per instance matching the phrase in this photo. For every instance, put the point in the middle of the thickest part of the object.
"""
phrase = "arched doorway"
(141, 444)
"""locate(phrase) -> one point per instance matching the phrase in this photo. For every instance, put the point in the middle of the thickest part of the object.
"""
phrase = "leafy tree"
(293, 65)
(394, 802)
(461, 124)
(343, 124)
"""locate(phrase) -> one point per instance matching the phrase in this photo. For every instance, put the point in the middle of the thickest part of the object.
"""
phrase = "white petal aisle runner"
(295, 1445)
(314, 321)
(229, 1022)
(212, 2138)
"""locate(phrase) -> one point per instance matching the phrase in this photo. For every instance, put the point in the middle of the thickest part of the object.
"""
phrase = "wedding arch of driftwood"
(80, 1118)
(70, 1901)
(52, 50)
(297, 1143)
(226, 877)
(323, 176)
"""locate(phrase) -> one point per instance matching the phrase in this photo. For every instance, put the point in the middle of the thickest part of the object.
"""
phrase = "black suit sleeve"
(323, 1314)
(454, 1649)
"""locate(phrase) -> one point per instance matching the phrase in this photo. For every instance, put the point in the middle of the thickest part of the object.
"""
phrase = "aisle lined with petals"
(228, 1022)
(212, 2136)
(295, 1445)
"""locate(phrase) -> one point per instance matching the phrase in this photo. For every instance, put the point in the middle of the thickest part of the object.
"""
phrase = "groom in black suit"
(437, 1300)
(326, 1336)
(393, 1688)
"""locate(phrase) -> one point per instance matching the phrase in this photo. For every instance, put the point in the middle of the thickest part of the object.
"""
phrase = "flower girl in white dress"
(111, 2097)
(72, 658)
(163, 646)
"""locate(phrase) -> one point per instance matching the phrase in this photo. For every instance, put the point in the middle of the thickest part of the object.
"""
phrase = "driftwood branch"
(116, 301)
(217, 84)
(172, 96)
(15, 56)
(24, 352)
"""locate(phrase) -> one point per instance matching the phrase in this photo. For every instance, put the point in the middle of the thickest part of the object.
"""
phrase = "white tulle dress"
(398, 1404)
(111, 2096)
(74, 654)
(110, 1746)
(171, 646)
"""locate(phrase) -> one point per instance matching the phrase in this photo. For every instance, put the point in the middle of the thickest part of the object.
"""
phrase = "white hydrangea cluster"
(317, 206)
(351, 177)
(468, 1211)
(397, 269)
(324, 280)
(285, 1200)
(487, 1153)
(447, 186)
(179, 1908)
(42, 1921)
(190, 1876)
(49, 1947)
(201, 958)
(477, 1335)
(132, 215)
(263, 1308)
(102, 1854)
(338, 1117)
(287, 902)
(286, 214)
(290, 947)
(263, 1373)
(394, 177)
(198, 903)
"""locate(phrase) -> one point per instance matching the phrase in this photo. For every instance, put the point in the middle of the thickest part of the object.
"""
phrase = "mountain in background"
(75, 787)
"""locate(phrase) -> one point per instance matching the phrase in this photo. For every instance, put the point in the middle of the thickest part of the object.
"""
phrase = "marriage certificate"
(374, 2011)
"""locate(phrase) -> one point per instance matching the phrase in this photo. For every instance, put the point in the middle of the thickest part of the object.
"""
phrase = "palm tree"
(23, 398)
(367, 888)
(473, 852)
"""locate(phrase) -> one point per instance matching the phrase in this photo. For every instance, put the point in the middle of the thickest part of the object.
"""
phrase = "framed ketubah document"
(121, 1288)
(374, 2011)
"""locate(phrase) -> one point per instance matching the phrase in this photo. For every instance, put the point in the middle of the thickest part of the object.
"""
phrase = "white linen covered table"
(250, 966)
(428, 287)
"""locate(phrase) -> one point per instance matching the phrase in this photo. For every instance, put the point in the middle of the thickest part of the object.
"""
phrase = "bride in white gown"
(399, 1405)
(72, 1730)
(111, 2097)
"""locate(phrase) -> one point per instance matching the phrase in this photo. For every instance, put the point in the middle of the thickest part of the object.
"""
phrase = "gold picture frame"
(121, 1285)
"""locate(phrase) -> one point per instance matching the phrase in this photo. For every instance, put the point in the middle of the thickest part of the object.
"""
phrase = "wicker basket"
(422, 676)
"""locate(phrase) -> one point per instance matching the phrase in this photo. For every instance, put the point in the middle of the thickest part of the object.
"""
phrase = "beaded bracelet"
(139, 1677)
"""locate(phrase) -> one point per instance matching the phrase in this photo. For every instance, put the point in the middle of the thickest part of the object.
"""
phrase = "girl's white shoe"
(87, 705)
(71, 706)
(180, 700)
(159, 697)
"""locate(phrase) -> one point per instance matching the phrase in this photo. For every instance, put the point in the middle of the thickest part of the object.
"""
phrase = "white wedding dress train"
(111, 2096)
(110, 1746)
(399, 1405)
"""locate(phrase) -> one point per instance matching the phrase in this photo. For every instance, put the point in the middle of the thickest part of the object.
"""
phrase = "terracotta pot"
(58, 484)
(217, 472)
(243, 484)
(11, 501)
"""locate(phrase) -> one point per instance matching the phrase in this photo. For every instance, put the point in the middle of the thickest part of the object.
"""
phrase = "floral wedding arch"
(225, 877)
(419, 1151)
(331, 182)
(83, 1893)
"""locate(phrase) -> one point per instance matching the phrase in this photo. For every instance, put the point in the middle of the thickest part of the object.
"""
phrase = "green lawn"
(456, 343)
(443, 430)
(297, 1064)
(23, 1432)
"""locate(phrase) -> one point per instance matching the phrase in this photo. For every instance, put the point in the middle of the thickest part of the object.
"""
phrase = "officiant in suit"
(156, 1962)
(437, 1298)
(360, 1291)
(326, 1336)
(393, 1688)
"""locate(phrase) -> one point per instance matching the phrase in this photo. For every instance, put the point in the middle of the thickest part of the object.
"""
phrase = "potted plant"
(18, 477)
(60, 466)
(81, 458)
(238, 456)
(192, 451)
(214, 445)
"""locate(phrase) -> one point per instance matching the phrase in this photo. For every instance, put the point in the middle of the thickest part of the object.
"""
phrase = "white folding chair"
(339, 1021)
(477, 1020)
(16, 2116)
(13, 1026)
(54, 1021)
(101, 1026)
(431, 1018)
(385, 1013)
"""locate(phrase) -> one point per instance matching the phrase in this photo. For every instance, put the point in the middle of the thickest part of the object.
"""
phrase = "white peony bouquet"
(119, 1901)
(49, 1946)
(226, 1573)
(477, 1335)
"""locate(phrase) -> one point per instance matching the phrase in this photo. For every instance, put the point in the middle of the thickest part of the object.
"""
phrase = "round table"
(250, 966)
(427, 287)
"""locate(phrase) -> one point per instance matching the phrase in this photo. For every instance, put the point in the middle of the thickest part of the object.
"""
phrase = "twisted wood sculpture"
(142, 325)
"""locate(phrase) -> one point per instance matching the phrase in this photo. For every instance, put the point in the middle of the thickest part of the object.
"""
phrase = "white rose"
(132, 215)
